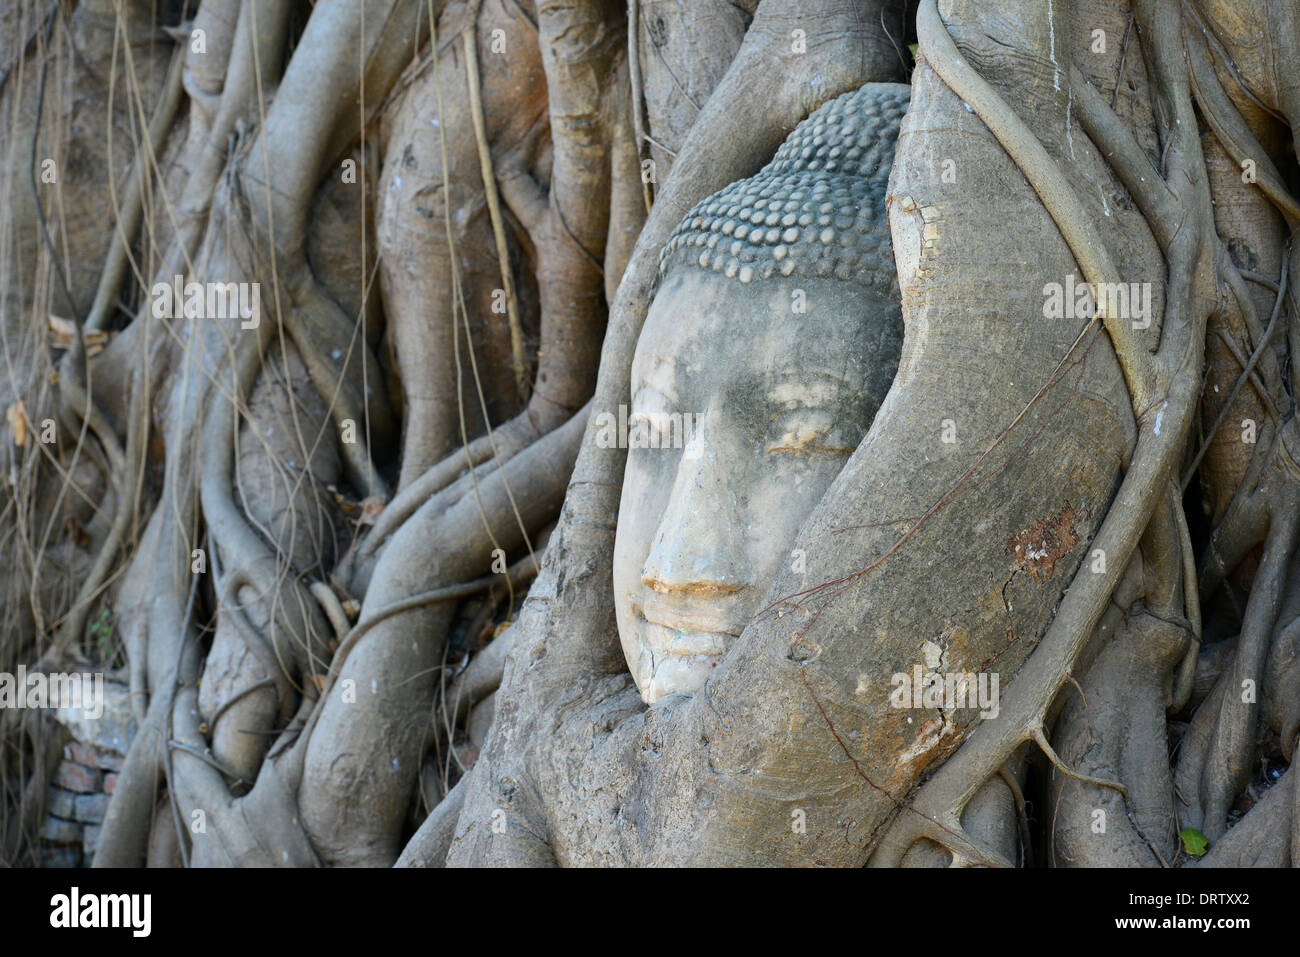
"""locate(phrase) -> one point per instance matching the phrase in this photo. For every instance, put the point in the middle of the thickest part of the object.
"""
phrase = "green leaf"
(1194, 842)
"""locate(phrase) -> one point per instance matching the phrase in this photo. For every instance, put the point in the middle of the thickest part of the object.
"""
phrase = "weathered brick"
(91, 840)
(91, 808)
(77, 777)
(55, 830)
(81, 753)
(110, 782)
(111, 731)
(69, 856)
(61, 803)
(108, 761)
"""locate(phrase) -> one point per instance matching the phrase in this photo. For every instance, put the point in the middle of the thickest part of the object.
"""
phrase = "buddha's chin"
(677, 662)
(678, 675)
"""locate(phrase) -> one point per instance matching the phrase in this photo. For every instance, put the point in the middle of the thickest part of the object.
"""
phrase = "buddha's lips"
(690, 614)
(665, 639)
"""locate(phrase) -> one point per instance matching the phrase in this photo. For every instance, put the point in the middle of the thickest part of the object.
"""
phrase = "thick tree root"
(934, 812)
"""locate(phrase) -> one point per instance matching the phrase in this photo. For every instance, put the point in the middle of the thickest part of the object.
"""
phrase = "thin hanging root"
(1039, 737)
(947, 831)
(470, 35)
(128, 214)
(638, 91)
(346, 402)
(418, 600)
(1226, 766)
(1269, 375)
(1261, 392)
(125, 467)
(440, 475)
(235, 698)
(210, 761)
(458, 301)
(1231, 130)
(1241, 379)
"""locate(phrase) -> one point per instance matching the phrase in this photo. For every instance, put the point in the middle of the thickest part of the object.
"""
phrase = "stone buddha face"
(781, 400)
(776, 333)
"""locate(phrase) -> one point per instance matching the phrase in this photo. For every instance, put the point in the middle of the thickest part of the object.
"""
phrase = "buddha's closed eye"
(653, 411)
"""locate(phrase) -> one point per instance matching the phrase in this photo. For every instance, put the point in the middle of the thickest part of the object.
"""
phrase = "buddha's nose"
(700, 544)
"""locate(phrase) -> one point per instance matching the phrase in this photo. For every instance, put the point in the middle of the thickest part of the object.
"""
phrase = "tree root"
(1210, 777)
(470, 35)
(429, 845)
(1265, 837)
(1118, 722)
(1045, 176)
(935, 808)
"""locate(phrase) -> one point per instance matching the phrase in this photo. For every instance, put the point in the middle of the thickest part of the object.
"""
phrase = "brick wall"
(84, 779)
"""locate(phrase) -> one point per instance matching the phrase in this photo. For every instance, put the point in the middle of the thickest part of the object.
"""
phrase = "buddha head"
(774, 335)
